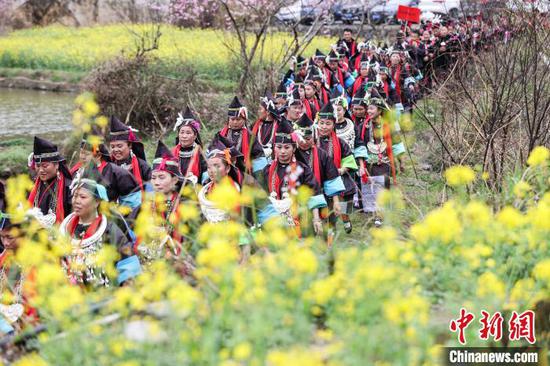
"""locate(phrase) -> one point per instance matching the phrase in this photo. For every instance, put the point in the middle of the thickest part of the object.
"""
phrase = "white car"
(447, 7)
(291, 13)
(385, 12)
(542, 6)
(303, 11)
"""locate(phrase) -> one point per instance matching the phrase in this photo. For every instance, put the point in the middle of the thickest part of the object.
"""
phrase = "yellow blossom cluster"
(291, 300)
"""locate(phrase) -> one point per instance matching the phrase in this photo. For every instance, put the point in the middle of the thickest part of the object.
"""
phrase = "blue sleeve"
(317, 201)
(334, 186)
(5, 327)
(132, 200)
(410, 80)
(259, 164)
(361, 152)
(266, 213)
(204, 177)
(349, 81)
(148, 187)
(128, 268)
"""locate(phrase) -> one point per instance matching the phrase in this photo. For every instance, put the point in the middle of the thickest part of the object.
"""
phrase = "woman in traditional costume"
(242, 137)
(321, 164)
(343, 158)
(95, 163)
(89, 231)
(166, 180)
(188, 148)
(127, 151)
(50, 197)
(311, 102)
(222, 161)
(344, 126)
(13, 280)
(284, 175)
(265, 126)
(376, 136)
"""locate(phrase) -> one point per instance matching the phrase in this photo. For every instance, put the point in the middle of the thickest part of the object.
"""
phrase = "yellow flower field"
(64, 48)
(387, 300)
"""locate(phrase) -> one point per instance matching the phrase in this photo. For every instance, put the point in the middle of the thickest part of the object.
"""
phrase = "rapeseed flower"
(32, 359)
(294, 357)
(489, 285)
(242, 351)
(539, 156)
(521, 188)
(510, 217)
(459, 175)
(541, 272)
(225, 196)
(441, 224)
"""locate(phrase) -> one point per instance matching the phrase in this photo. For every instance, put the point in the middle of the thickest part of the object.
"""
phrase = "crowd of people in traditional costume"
(325, 127)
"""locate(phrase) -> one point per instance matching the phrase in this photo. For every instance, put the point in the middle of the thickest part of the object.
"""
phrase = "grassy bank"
(79, 50)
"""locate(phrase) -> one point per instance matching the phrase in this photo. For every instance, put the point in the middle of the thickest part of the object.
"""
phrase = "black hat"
(327, 112)
(365, 63)
(294, 97)
(336, 96)
(44, 150)
(376, 99)
(120, 132)
(304, 125)
(315, 73)
(95, 138)
(225, 149)
(383, 69)
(86, 145)
(281, 91)
(334, 80)
(165, 161)
(333, 56)
(368, 86)
(187, 118)
(283, 135)
(220, 144)
(319, 54)
(359, 98)
(269, 104)
(300, 61)
(236, 109)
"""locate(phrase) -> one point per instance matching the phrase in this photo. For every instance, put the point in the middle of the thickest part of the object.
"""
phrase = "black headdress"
(120, 132)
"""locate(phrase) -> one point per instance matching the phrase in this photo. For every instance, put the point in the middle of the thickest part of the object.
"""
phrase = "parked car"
(354, 10)
(314, 9)
(290, 14)
(305, 12)
(452, 8)
(541, 6)
(386, 11)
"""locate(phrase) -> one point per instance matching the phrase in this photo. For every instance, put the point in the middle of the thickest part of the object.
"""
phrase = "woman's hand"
(317, 226)
(336, 208)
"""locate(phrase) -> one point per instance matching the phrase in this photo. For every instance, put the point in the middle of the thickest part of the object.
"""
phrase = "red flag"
(408, 14)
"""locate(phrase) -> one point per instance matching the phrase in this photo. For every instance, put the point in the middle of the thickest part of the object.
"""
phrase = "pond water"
(32, 112)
